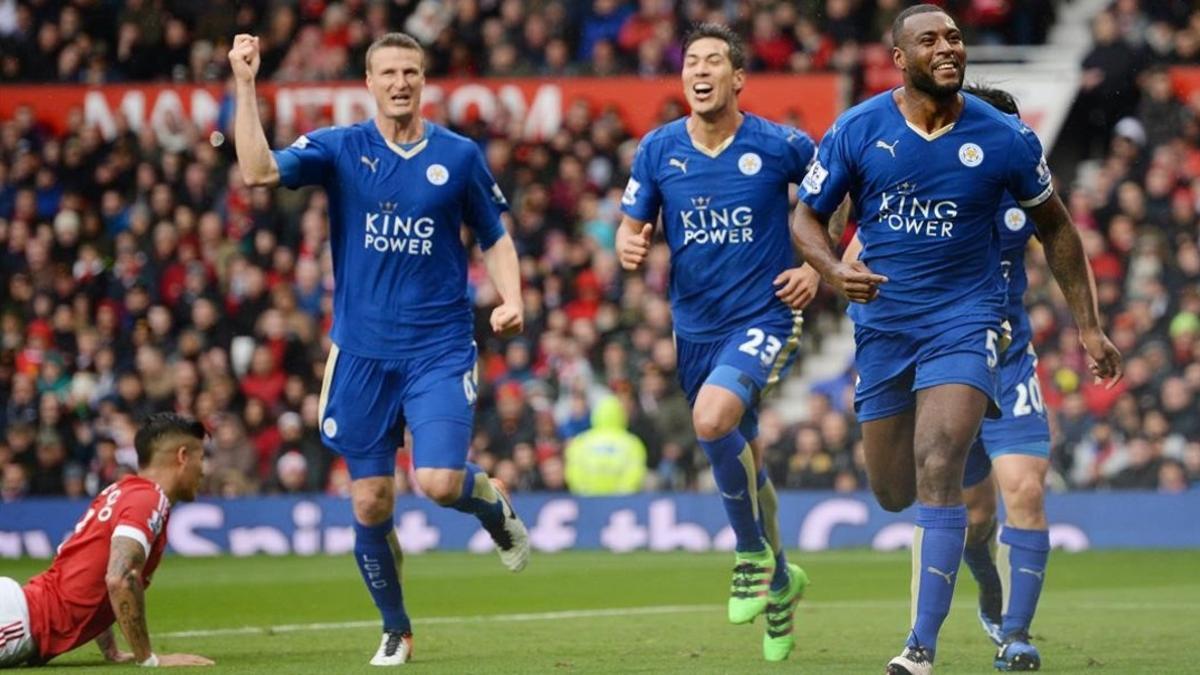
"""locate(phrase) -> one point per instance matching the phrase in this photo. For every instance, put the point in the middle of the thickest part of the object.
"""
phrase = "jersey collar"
(714, 152)
(412, 150)
(928, 136)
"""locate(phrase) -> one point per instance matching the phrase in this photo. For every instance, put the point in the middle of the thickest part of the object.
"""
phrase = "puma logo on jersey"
(890, 148)
(680, 164)
(374, 165)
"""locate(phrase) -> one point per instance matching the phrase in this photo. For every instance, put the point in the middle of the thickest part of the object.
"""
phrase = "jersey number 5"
(993, 357)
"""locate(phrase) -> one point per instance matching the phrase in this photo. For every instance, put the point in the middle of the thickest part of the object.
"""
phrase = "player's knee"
(893, 498)
(939, 467)
(1026, 499)
(444, 488)
(372, 507)
(712, 422)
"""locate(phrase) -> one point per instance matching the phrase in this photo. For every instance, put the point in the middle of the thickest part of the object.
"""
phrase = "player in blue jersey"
(1018, 445)
(399, 190)
(926, 168)
(1016, 448)
(719, 178)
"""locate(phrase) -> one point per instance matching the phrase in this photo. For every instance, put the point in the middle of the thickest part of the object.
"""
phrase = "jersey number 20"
(1029, 398)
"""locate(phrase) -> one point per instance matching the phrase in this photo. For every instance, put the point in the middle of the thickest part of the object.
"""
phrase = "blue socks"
(733, 469)
(479, 498)
(1022, 560)
(937, 551)
(768, 522)
(377, 552)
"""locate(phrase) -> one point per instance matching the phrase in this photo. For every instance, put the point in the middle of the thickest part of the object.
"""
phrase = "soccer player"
(102, 570)
(720, 178)
(1017, 444)
(926, 168)
(399, 188)
(1016, 447)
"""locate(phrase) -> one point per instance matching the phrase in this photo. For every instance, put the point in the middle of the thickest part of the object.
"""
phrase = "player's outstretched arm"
(1064, 254)
(633, 242)
(811, 239)
(255, 160)
(505, 272)
(126, 559)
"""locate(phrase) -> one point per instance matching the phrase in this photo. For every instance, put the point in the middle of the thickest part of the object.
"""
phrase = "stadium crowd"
(181, 40)
(139, 277)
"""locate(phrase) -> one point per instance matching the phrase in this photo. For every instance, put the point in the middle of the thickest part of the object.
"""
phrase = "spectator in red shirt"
(265, 380)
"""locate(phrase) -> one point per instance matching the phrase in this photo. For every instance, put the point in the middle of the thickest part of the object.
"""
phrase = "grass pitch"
(584, 612)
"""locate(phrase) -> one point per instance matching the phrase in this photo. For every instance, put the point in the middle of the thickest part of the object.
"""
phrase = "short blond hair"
(398, 40)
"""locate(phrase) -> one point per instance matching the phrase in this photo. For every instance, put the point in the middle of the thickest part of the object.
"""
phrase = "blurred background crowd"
(186, 40)
(137, 276)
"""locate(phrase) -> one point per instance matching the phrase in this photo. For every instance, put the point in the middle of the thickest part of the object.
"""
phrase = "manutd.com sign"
(538, 106)
(810, 521)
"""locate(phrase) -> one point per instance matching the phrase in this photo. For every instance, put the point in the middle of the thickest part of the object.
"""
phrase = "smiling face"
(932, 54)
(395, 77)
(710, 81)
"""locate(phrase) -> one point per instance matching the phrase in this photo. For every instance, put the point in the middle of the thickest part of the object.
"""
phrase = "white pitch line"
(624, 611)
(480, 618)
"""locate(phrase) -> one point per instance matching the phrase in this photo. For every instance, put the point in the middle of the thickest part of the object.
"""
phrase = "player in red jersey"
(102, 570)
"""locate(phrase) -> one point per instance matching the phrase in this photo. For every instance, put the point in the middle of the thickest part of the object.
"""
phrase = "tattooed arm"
(127, 595)
(108, 647)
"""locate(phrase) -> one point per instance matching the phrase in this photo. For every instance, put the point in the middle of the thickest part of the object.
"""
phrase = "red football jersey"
(68, 603)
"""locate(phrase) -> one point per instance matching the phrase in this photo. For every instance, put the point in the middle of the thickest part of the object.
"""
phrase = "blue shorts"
(748, 362)
(365, 404)
(894, 366)
(1021, 428)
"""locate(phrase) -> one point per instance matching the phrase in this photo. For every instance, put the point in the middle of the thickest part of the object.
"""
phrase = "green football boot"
(779, 641)
(752, 572)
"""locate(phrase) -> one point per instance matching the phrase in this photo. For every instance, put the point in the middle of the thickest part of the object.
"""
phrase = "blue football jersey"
(927, 205)
(399, 264)
(725, 218)
(1016, 228)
